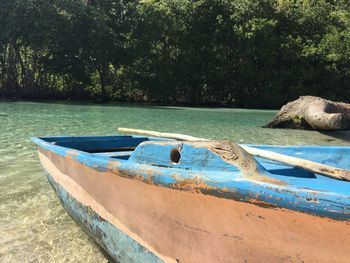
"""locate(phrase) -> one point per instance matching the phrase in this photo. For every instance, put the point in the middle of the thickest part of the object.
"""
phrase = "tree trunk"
(315, 113)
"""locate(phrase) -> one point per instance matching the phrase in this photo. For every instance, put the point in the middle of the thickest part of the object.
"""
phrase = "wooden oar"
(314, 167)
(180, 137)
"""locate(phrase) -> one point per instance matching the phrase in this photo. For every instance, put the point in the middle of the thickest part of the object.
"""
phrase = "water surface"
(33, 225)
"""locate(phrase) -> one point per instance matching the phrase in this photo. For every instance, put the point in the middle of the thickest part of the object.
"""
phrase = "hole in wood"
(175, 156)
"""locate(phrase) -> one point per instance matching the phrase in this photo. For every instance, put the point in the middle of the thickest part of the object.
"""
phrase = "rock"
(309, 112)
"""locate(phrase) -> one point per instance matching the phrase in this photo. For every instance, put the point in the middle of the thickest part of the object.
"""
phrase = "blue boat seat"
(124, 155)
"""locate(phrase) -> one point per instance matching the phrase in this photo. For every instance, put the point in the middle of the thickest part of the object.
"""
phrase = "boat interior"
(118, 147)
(121, 147)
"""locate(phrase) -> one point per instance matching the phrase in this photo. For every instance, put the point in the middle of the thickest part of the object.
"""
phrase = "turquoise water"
(33, 225)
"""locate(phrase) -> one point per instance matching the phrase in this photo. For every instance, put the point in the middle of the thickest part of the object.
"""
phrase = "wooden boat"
(146, 199)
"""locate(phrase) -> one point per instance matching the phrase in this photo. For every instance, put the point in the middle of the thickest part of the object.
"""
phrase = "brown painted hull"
(188, 226)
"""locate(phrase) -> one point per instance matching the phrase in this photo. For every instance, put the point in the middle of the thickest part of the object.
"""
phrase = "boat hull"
(135, 221)
(116, 243)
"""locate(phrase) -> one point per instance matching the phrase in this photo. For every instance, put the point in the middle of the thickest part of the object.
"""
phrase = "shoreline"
(129, 103)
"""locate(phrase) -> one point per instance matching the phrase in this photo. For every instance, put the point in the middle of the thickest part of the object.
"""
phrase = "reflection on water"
(34, 226)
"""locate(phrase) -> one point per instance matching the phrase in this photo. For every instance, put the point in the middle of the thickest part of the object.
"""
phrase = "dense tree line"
(250, 53)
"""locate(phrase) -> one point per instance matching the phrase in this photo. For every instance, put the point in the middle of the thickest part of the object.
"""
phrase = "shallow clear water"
(33, 225)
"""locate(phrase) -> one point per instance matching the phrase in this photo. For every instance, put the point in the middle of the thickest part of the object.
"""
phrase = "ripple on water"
(34, 226)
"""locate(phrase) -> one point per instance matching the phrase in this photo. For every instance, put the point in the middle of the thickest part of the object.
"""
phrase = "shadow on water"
(340, 135)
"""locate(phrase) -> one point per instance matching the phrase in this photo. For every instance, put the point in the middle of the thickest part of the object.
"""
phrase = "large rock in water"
(315, 113)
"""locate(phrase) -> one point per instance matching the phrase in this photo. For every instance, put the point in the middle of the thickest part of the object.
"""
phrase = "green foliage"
(250, 53)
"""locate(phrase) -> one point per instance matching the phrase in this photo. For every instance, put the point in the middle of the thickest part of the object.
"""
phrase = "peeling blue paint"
(301, 190)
